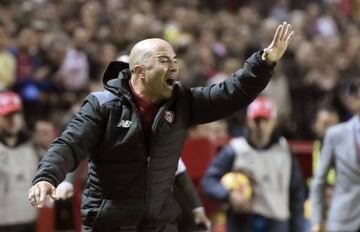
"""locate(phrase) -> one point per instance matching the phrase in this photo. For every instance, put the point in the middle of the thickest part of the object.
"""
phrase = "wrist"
(265, 57)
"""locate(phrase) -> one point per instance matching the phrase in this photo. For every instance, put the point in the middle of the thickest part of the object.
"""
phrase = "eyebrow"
(158, 56)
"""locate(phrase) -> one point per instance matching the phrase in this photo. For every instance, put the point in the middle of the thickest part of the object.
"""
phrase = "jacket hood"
(116, 77)
(113, 69)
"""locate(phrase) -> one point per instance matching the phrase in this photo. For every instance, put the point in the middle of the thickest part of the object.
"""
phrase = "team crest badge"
(169, 116)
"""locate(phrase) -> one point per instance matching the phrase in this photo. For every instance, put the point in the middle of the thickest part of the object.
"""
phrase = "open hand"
(39, 191)
(279, 44)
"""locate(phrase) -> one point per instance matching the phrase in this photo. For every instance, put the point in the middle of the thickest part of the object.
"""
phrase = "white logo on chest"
(124, 124)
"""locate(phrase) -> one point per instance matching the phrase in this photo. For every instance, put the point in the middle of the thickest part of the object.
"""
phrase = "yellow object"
(307, 209)
(237, 181)
(315, 162)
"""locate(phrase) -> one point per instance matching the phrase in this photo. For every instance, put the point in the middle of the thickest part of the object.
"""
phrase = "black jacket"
(131, 177)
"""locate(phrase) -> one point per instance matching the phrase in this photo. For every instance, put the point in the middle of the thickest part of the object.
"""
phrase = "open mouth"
(170, 81)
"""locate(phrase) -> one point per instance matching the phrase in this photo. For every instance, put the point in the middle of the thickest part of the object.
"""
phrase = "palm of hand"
(279, 44)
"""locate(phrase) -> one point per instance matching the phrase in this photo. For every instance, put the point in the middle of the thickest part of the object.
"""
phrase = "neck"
(260, 141)
(9, 140)
(138, 87)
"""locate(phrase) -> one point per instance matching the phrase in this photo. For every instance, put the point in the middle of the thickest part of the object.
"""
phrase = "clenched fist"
(39, 191)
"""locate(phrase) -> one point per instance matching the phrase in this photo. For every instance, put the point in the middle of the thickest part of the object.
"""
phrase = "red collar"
(140, 102)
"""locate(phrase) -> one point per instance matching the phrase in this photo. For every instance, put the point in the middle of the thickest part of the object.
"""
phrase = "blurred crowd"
(54, 52)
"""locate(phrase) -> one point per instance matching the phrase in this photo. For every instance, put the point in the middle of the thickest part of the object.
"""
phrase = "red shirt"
(147, 111)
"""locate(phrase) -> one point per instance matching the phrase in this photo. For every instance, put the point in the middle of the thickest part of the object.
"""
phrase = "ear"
(139, 71)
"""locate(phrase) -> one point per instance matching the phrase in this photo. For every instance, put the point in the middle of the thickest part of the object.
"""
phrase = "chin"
(166, 96)
(167, 93)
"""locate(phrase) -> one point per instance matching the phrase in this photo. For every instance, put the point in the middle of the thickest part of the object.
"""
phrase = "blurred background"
(53, 53)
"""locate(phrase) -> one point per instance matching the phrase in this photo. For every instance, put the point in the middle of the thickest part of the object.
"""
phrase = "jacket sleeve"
(319, 181)
(77, 141)
(297, 197)
(210, 182)
(184, 186)
(223, 99)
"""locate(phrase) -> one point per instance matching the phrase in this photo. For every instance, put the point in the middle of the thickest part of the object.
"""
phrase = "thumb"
(53, 194)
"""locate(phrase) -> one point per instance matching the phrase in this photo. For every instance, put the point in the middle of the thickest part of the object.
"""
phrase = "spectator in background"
(75, 67)
(18, 162)
(7, 62)
(264, 156)
(341, 149)
(325, 117)
(44, 133)
(27, 56)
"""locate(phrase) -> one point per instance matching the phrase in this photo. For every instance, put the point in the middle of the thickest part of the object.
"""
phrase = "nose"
(173, 67)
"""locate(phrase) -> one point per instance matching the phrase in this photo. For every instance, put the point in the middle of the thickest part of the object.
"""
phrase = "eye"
(163, 59)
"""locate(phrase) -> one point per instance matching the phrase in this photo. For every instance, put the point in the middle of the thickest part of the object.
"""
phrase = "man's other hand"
(65, 190)
(201, 219)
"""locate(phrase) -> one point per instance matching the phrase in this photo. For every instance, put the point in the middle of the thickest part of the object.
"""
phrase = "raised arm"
(220, 100)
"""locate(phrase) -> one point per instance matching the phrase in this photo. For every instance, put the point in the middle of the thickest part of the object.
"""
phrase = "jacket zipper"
(148, 157)
(152, 139)
(148, 173)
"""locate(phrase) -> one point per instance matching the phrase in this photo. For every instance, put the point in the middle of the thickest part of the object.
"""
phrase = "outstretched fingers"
(287, 33)
(289, 37)
(283, 31)
(286, 29)
(278, 33)
(278, 45)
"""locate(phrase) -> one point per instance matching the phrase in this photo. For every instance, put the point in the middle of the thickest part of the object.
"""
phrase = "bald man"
(133, 133)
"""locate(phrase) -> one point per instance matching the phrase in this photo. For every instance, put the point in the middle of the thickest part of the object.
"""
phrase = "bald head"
(144, 49)
(154, 69)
